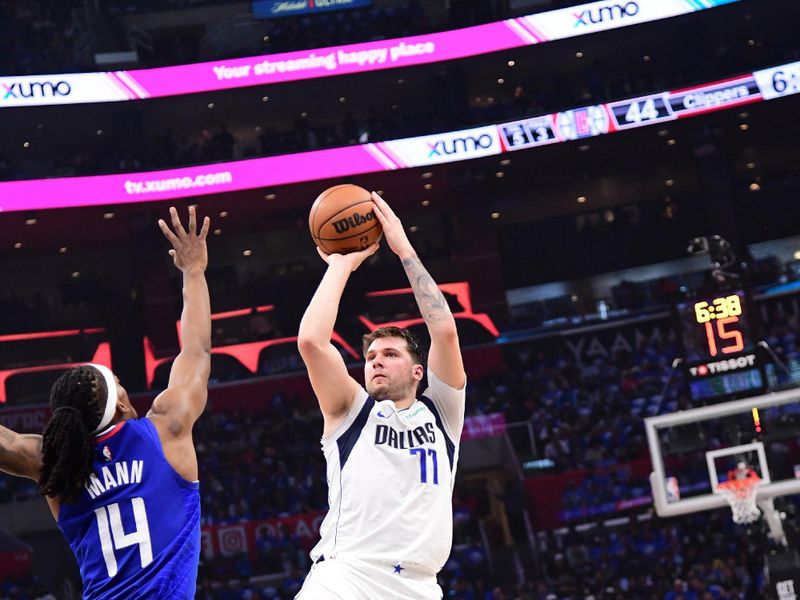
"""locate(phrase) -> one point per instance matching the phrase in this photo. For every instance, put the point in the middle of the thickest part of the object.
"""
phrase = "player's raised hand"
(352, 259)
(392, 227)
(188, 247)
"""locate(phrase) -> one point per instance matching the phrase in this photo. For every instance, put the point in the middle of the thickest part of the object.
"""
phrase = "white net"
(741, 495)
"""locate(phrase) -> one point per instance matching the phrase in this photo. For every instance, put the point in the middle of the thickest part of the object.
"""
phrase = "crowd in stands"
(696, 557)
(261, 466)
(25, 588)
(267, 465)
(42, 36)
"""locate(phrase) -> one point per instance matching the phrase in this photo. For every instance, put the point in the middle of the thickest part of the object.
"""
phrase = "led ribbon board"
(479, 142)
(116, 86)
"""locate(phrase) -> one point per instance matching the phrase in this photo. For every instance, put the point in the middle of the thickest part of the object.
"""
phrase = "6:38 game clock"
(719, 350)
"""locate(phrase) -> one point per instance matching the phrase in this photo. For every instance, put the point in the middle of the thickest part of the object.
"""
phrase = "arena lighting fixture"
(499, 174)
(76, 274)
(108, 215)
(751, 165)
(797, 254)
(646, 58)
(218, 232)
(303, 115)
(18, 245)
(426, 203)
(223, 214)
(30, 221)
(258, 128)
(247, 253)
(744, 115)
(501, 81)
(427, 175)
(671, 142)
(270, 196)
(754, 187)
(26, 144)
(584, 147)
(428, 186)
(99, 132)
(495, 215)
(511, 63)
(413, 228)
(744, 126)
(342, 99)
(265, 98)
(663, 133)
(210, 105)
(669, 182)
(579, 54)
(581, 199)
(401, 81)
(62, 250)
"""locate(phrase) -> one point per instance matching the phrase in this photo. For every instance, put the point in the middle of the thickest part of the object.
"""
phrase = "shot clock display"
(719, 350)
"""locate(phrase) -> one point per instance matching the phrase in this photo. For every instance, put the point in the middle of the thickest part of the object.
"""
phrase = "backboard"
(692, 451)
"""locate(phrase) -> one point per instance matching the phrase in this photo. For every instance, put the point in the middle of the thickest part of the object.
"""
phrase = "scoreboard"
(718, 346)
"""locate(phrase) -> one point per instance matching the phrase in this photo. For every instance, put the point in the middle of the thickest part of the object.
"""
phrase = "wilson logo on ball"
(352, 222)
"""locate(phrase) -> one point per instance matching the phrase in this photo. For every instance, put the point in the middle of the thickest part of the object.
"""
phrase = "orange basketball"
(342, 220)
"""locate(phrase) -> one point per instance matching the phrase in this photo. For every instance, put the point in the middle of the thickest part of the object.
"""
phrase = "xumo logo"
(723, 366)
(36, 89)
(606, 13)
(460, 145)
(356, 220)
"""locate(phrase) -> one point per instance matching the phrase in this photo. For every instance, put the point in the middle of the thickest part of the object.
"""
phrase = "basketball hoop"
(741, 495)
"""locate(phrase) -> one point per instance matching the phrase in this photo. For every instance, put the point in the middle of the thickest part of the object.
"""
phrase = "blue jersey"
(135, 527)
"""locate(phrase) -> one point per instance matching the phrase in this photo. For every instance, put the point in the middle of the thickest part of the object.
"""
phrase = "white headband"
(111, 398)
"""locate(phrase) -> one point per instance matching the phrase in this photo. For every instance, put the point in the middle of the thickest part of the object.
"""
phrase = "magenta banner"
(184, 183)
(428, 150)
(116, 86)
(326, 62)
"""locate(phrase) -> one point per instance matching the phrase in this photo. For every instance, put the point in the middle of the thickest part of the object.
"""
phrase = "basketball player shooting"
(391, 458)
(124, 490)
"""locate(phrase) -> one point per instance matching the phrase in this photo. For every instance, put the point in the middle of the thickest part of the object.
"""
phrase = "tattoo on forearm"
(431, 301)
(6, 439)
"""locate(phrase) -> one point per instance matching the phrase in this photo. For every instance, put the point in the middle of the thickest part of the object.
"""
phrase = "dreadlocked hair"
(67, 446)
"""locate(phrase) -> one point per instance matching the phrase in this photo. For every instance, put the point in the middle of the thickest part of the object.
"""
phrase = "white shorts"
(351, 579)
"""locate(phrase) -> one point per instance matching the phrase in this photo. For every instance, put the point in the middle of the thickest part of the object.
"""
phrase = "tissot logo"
(36, 89)
(460, 145)
(723, 366)
(604, 14)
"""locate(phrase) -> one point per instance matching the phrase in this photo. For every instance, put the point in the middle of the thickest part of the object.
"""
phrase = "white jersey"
(390, 480)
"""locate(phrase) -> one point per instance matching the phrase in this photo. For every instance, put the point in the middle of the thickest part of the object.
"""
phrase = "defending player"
(123, 490)
(391, 458)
